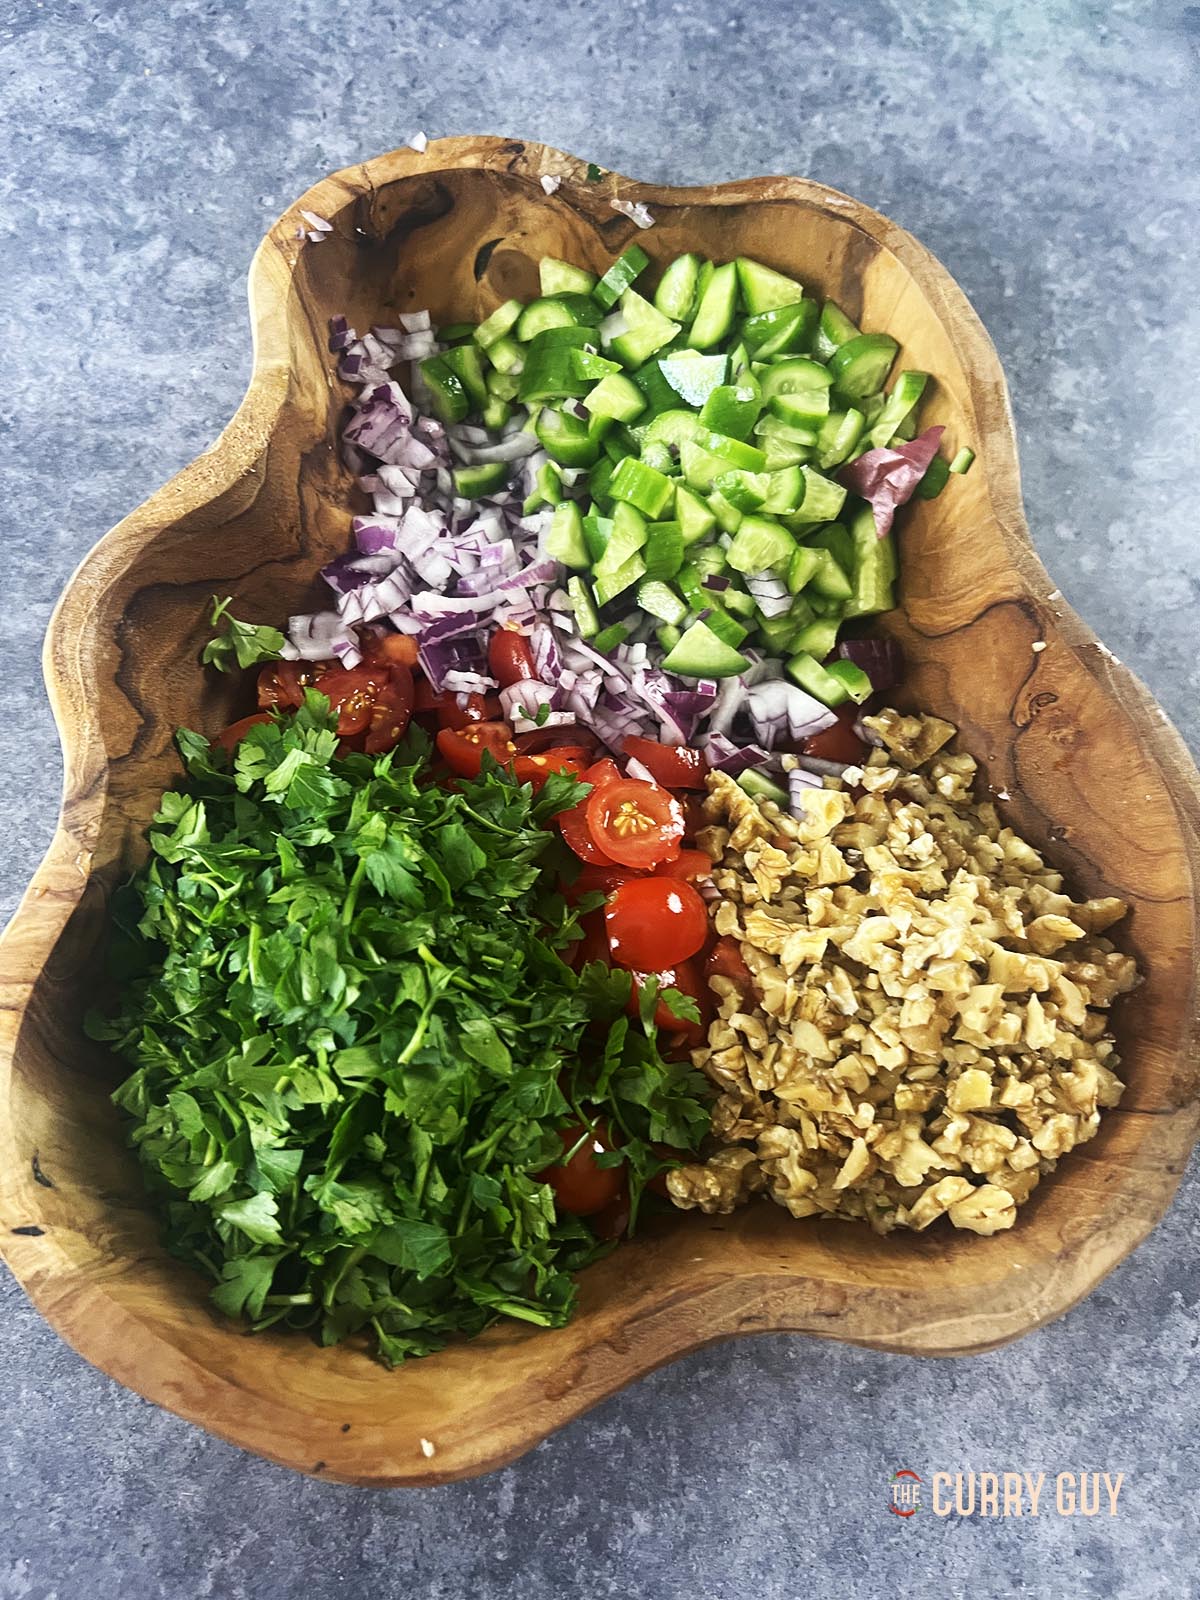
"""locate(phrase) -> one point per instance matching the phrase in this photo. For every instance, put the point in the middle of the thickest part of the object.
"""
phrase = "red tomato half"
(351, 692)
(536, 769)
(229, 738)
(636, 823)
(838, 742)
(579, 1185)
(674, 766)
(462, 749)
(574, 823)
(391, 712)
(282, 683)
(688, 864)
(655, 923)
(445, 706)
(510, 658)
(685, 977)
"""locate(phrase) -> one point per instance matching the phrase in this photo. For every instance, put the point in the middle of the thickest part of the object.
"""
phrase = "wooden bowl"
(1097, 776)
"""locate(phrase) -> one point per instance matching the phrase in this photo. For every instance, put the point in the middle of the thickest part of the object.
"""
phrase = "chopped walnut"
(927, 1034)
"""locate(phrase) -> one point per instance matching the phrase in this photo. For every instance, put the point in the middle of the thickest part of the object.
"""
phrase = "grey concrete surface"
(1047, 151)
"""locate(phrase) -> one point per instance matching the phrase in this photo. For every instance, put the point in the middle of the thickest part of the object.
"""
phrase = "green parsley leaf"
(242, 643)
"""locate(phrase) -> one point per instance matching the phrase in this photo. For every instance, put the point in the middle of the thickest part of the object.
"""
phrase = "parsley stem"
(356, 878)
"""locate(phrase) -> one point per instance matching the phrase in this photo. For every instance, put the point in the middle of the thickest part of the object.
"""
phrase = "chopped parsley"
(354, 1040)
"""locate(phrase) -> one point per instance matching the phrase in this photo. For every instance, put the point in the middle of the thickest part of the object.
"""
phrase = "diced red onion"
(880, 658)
(887, 478)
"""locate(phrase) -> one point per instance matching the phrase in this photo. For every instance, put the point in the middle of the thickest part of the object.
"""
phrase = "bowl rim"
(59, 882)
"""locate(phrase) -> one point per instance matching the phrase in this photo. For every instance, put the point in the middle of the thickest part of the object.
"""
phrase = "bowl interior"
(1083, 782)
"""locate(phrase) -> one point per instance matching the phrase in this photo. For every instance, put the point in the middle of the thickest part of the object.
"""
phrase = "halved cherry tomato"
(462, 749)
(351, 692)
(445, 706)
(536, 741)
(688, 864)
(574, 823)
(654, 923)
(601, 772)
(395, 649)
(674, 766)
(536, 769)
(229, 738)
(600, 879)
(634, 822)
(838, 742)
(684, 976)
(282, 683)
(579, 1185)
(391, 712)
(725, 960)
(510, 658)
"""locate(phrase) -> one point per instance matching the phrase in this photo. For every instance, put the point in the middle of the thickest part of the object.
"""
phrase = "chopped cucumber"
(466, 363)
(898, 407)
(626, 537)
(714, 316)
(835, 329)
(609, 638)
(560, 277)
(733, 409)
(729, 518)
(660, 600)
(614, 583)
(597, 531)
(547, 490)
(663, 553)
(587, 364)
(823, 499)
(615, 396)
(668, 635)
(861, 366)
(673, 427)
(779, 332)
(852, 679)
(764, 289)
(759, 544)
(566, 438)
(587, 618)
(562, 312)
(471, 482)
(840, 433)
(696, 521)
(762, 788)
(659, 394)
(818, 638)
(692, 375)
(659, 457)
(937, 475)
(507, 356)
(829, 578)
(501, 322)
(645, 330)
(815, 680)
(565, 541)
(801, 568)
(785, 491)
(839, 541)
(701, 654)
(675, 296)
(963, 461)
(641, 486)
(624, 270)
(746, 491)
(549, 373)
(496, 412)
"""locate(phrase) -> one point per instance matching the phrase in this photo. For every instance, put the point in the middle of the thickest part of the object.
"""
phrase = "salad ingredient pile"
(918, 1028)
(681, 496)
(369, 1092)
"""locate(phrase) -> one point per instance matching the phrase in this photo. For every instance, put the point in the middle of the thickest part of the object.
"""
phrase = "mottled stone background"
(1047, 151)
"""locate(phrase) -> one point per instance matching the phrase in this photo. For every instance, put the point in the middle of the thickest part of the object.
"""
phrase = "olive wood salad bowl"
(1097, 777)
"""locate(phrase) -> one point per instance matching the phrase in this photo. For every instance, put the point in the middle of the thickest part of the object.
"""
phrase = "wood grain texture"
(1097, 775)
